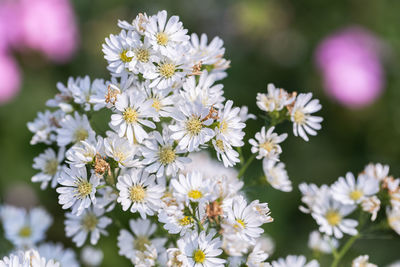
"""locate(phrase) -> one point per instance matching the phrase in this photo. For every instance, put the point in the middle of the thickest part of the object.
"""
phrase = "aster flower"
(91, 256)
(83, 90)
(294, 261)
(225, 152)
(204, 52)
(322, 243)
(76, 190)
(276, 175)
(267, 144)
(74, 129)
(257, 257)
(29, 258)
(175, 221)
(349, 191)
(139, 238)
(49, 164)
(371, 205)
(393, 217)
(191, 129)
(303, 122)
(44, 127)
(138, 24)
(139, 193)
(161, 156)
(162, 101)
(121, 151)
(91, 222)
(64, 97)
(84, 152)
(275, 100)
(230, 125)
(141, 55)
(191, 187)
(201, 250)
(377, 171)
(132, 114)
(312, 195)
(57, 252)
(362, 261)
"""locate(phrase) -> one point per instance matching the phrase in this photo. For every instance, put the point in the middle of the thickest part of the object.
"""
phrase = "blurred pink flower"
(10, 78)
(10, 25)
(50, 27)
(351, 67)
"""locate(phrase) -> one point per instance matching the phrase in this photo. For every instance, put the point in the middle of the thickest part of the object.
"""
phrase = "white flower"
(91, 256)
(371, 205)
(207, 54)
(91, 221)
(201, 250)
(303, 122)
(30, 258)
(107, 199)
(294, 261)
(44, 127)
(76, 190)
(25, 229)
(275, 100)
(312, 195)
(349, 191)
(191, 129)
(257, 257)
(57, 252)
(243, 219)
(230, 125)
(276, 175)
(132, 113)
(191, 187)
(262, 210)
(175, 221)
(225, 152)
(161, 156)
(362, 261)
(64, 97)
(176, 258)
(83, 90)
(267, 144)
(74, 129)
(120, 150)
(330, 216)
(162, 102)
(377, 171)
(245, 115)
(393, 216)
(131, 245)
(141, 55)
(84, 152)
(322, 243)
(49, 163)
(138, 24)
(165, 35)
(138, 191)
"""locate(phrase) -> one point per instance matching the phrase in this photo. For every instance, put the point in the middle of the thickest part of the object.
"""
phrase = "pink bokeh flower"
(10, 78)
(351, 67)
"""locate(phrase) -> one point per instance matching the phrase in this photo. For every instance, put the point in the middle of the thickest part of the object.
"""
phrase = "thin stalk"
(344, 250)
(246, 165)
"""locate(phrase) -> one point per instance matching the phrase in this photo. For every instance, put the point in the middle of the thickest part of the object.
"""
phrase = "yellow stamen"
(356, 195)
(142, 55)
(137, 193)
(167, 70)
(167, 155)
(199, 256)
(80, 134)
(124, 57)
(299, 117)
(130, 115)
(51, 167)
(195, 194)
(333, 217)
(186, 221)
(25, 231)
(162, 38)
(90, 221)
(193, 126)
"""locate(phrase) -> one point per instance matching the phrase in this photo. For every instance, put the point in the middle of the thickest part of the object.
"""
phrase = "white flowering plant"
(169, 155)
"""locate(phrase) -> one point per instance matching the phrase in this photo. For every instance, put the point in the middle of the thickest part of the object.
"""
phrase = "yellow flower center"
(299, 117)
(193, 126)
(51, 167)
(25, 232)
(156, 104)
(240, 222)
(130, 115)
(162, 38)
(140, 243)
(199, 256)
(195, 194)
(268, 146)
(167, 70)
(186, 221)
(137, 193)
(80, 135)
(333, 217)
(167, 155)
(90, 221)
(84, 188)
(142, 55)
(124, 57)
(223, 127)
(356, 195)
(220, 144)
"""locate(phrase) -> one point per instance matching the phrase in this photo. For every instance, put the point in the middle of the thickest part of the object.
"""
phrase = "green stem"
(344, 250)
(246, 165)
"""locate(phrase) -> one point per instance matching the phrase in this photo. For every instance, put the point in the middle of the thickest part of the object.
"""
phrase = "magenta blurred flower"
(50, 27)
(10, 78)
(10, 25)
(351, 67)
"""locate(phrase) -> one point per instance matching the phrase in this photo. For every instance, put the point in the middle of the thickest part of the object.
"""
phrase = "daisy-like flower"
(176, 258)
(371, 205)
(243, 219)
(90, 222)
(230, 125)
(161, 156)
(349, 191)
(116, 51)
(121, 151)
(322, 243)
(225, 152)
(57, 252)
(29, 258)
(191, 129)
(330, 216)
(139, 193)
(133, 112)
(44, 127)
(138, 24)
(83, 90)
(393, 216)
(64, 97)
(207, 54)
(25, 228)
(245, 115)
(49, 164)
(362, 261)
(74, 129)
(201, 250)
(91, 256)
(130, 245)
(312, 195)
(191, 187)
(257, 257)
(142, 54)
(303, 122)
(165, 35)
(294, 261)
(162, 102)
(76, 190)
(275, 100)
(276, 175)
(377, 171)
(84, 152)
(175, 221)
(267, 144)
(262, 210)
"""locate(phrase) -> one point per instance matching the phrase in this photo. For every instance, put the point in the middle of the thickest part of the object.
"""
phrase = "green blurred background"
(267, 41)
